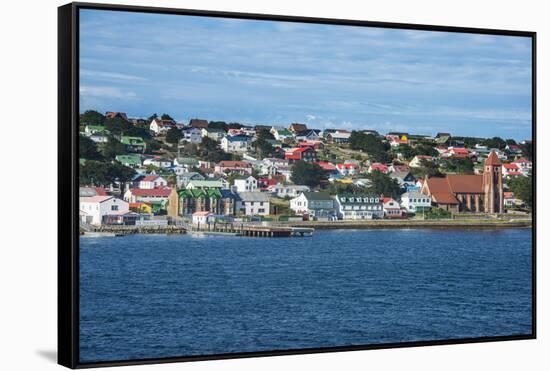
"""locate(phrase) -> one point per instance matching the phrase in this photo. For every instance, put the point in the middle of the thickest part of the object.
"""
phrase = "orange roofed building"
(473, 193)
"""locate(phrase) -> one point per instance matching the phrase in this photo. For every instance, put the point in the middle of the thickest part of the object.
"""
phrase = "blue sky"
(265, 72)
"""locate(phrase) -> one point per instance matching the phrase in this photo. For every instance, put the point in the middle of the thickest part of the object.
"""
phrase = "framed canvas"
(242, 185)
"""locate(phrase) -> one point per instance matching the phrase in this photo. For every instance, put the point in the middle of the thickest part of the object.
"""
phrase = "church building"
(469, 193)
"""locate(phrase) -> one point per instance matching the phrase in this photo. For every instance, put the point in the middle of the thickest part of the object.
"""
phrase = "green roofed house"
(132, 161)
(188, 201)
(82, 161)
(90, 130)
(133, 144)
(207, 184)
(281, 134)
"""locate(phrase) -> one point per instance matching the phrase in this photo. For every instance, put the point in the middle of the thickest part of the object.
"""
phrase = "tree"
(263, 148)
(218, 125)
(381, 184)
(460, 165)
(152, 145)
(113, 148)
(527, 150)
(118, 126)
(511, 141)
(406, 151)
(104, 173)
(265, 134)
(210, 151)
(523, 189)
(495, 142)
(425, 149)
(370, 144)
(88, 149)
(427, 169)
(305, 173)
(234, 125)
(152, 117)
(174, 135)
(91, 117)
(166, 116)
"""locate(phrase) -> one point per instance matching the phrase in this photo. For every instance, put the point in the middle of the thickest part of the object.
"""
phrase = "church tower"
(492, 184)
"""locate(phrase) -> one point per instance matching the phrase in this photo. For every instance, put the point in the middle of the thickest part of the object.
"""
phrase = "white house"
(253, 203)
(161, 127)
(414, 202)
(158, 162)
(157, 195)
(314, 204)
(213, 133)
(202, 218)
(184, 177)
(359, 206)
(292, 191)
(417, 160)
(93, 209)
(150, 182)
(524, 165)
(391, 208)
(281, 134)
(192, 135)
(245, 184)
(237, 143)
(347, 169)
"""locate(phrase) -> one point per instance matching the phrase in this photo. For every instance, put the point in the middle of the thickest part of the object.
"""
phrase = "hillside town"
(151, 171)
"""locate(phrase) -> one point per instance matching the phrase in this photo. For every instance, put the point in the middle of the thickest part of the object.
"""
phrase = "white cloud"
(106, 92)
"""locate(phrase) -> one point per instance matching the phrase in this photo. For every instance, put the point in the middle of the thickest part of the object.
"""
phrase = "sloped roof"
(317, 196)
(253, 196)
(155, 192)
(493, 159)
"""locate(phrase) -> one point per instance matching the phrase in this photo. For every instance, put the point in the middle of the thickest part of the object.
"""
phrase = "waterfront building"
(95, 209)
(252, 203)
(475, 193)
(187, 201)
(357, 206)
(391, 208)
(314, 204)
(201, 218)
(415, 202)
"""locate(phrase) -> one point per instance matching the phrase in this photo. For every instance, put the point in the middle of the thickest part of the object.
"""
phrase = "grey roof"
(317, 196)
(253, 196)
(414, 194)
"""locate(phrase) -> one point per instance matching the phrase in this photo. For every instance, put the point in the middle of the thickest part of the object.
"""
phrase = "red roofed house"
(457, 152)
(202, 218)
(347, 169)
(510, 170)
(315, 144)
(240, 167)
(112, 115)
(306, 154)
(524, 165)
(378, 167)
(134, 195)
(161, 127)
(477, 193)
(510, 199)
(94, 210)
(198, 123)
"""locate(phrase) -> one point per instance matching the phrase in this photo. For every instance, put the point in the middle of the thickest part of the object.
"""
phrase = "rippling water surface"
(150, 296)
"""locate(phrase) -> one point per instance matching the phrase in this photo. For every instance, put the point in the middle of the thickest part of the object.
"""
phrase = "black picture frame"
(68, 227)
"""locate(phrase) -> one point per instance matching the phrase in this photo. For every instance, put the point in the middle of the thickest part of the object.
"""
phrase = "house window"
(114, 207)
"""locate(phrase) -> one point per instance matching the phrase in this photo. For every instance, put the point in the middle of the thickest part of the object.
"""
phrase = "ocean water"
(150, 296)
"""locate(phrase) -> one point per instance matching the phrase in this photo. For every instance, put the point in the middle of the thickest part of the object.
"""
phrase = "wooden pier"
(248, 230)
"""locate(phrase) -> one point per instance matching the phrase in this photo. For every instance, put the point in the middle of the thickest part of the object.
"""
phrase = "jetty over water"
(251, 230)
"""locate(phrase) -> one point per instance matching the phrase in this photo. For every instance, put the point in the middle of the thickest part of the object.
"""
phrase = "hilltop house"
(95, 209)
(338, 137)
(192, 135)
(281, 134)
(198, 123)
(309, 134)
(252, 203)
(160, 127)
(235, 144)
(245, 184)
(133, 144)
(296, 128)
(356, 206)
(314, 205)
(112, 115)
(213, 133)
(415, 202)
(90, 130)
